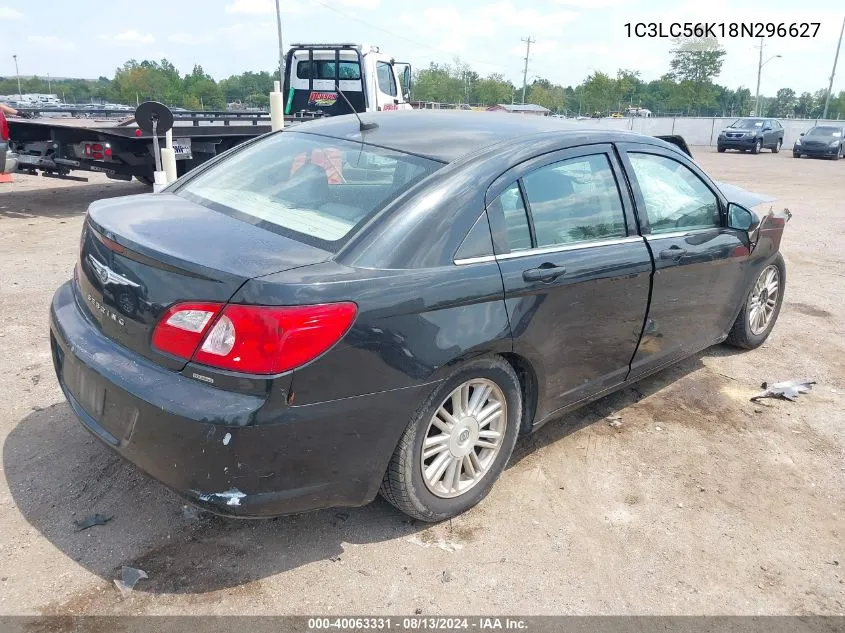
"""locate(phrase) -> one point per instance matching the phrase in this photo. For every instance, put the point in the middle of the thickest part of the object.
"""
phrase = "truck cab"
(369, 79)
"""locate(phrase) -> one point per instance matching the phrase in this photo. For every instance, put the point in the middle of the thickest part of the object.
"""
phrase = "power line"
(528, 41)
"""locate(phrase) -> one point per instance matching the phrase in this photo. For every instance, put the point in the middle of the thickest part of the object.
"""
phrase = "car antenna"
(363, 126)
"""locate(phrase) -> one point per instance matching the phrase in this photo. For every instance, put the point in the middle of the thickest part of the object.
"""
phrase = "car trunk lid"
(141, 254)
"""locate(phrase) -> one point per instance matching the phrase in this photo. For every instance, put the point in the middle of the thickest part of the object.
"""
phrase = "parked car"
(340, 309)
(826, 141)
(8, 158)
(752, 134)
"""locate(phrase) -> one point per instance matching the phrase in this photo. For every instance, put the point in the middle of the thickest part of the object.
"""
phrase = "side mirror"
(802, 133)
(742, 219)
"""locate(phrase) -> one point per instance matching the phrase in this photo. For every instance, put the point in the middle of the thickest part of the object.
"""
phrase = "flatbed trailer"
(96, 141)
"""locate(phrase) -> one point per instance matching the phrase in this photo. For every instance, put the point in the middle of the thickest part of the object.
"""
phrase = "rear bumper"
(200, 440)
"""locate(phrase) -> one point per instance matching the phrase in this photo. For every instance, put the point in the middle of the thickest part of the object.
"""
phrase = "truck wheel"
(144, 179)
(776, 148)
(457, 444)
(761, 308)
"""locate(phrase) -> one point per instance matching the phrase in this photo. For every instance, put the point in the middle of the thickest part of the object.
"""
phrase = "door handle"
(673, 253)
(545, 272)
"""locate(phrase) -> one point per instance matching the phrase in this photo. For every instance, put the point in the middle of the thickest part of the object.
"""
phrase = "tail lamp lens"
(253, 339)
(4, 127)
(182, 328)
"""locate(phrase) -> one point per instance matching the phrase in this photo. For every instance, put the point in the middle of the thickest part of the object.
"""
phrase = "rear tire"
(144, 179)
(776, 148)
(749, 331)
(411, 482)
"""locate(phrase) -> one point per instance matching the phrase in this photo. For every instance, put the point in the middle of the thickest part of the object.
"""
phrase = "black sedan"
(331, 312)
(753, 134)
(822, 141)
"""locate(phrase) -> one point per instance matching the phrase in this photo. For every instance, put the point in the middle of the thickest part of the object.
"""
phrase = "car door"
(575, 271)
(698, 280)
(769, 133)
(387, 91)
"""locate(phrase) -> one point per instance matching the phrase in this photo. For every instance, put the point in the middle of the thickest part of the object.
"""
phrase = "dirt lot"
(701, 502)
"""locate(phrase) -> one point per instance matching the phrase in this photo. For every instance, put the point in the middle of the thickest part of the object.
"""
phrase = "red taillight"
(97, 147)
(98, 155)
(253, 339)
(273, 339)
(4, 127)
(181, 329)
(107, 151)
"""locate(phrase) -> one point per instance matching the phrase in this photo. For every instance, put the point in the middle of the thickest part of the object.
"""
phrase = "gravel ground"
(701, 502)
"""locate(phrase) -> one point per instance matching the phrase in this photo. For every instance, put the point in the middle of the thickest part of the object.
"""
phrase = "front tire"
(757, 146)
(720, 149)
(457, 444)
(796, 155)
(761, 307)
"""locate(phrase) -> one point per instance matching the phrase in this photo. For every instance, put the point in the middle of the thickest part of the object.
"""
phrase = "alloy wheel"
(763, 300)
(463, 438)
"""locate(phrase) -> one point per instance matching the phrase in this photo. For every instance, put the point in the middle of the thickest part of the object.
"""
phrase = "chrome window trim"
(559, 248)
(673, 234)
(475, 260)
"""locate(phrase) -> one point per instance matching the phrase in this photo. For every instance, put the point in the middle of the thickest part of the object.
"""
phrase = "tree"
(696, 62)
(784, 103)
(804, 105)
(598, 92)
(543, 93)
(494, 89)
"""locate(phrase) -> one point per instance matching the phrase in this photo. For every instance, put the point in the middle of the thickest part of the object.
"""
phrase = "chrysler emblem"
(107, 276)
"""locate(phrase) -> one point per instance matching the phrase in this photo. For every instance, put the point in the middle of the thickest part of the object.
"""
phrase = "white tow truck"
(368, 79)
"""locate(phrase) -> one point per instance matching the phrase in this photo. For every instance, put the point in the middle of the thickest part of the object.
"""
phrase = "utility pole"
(49, 84)
(760, 65)
(528, 42)
(833, 72)
(18, 76)
(281, 50)
(759, 72)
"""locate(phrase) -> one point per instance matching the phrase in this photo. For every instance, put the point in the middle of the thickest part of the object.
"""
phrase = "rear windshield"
(317, 188)
(325, 70)
(832, 132)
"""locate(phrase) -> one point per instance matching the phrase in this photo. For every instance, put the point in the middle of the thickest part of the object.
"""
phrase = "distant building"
(521, 108)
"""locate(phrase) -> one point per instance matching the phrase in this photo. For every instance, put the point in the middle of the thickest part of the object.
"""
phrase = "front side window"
(575, 200)
(675, 198)
(317, 188)
(386, 80)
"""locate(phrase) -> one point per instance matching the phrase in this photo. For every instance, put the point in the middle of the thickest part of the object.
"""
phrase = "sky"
(90, 38)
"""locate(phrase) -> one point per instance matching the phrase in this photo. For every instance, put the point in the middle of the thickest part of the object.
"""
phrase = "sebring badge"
(107, 276)
(105, 311)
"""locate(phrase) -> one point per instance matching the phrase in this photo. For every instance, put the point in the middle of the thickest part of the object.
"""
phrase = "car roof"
(447, 135)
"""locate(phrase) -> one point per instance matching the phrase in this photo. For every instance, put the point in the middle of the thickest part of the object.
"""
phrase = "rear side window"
(575, 200)
(675, 198)
(510, 205)
(324, 69)
(386, 80)
(316, 188)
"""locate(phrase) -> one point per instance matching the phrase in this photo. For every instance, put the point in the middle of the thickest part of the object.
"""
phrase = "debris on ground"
(342, 516)
(129, 577)
(788, 390)
(447, 576)
(192, 513)
(614, 420)
(91, 520)
(335, 559)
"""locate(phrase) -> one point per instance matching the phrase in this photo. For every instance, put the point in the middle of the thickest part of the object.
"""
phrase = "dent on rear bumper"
(199, 440)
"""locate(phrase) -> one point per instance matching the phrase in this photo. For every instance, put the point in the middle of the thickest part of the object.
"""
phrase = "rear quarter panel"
(412, 328)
